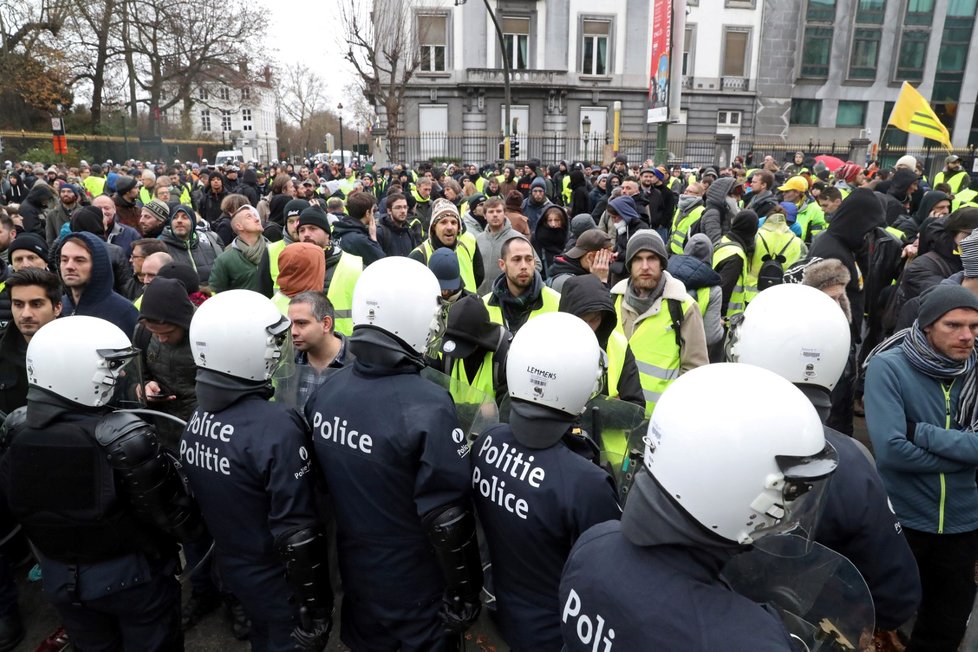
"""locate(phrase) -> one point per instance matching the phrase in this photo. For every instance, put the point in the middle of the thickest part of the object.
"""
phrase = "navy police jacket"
(533, 505)
(391, 451)
(615, 595)
(858, 523)
(249, 466)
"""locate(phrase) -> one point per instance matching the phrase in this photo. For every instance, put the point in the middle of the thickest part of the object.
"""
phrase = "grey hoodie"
(716, 218)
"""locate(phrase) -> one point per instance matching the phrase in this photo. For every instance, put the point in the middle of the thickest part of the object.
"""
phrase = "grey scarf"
(642, 304)
(252, 253)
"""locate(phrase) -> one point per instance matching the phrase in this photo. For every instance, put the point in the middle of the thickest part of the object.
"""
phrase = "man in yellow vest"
(661, 321)
(445, 231)
(519, 293)
(342, 269)
(688, 211)
(474, 348)
(732, 260)
(146, 193)
(953, 175)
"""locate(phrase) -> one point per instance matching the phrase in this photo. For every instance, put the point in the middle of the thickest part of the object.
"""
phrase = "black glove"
(457, 613)
(911, 431)
(312, 633)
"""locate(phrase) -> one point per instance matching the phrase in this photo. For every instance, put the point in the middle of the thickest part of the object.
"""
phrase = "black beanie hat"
(295, 207)
(183, 273)
(88, 219)
(30, 242)
(315, 216)
(942, 299)
(124, 184)
(165, 300)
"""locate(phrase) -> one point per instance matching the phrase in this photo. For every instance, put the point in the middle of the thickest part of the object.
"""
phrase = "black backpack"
(772, 266)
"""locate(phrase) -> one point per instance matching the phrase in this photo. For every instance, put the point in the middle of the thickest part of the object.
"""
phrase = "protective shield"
(617, 428)
(475, 409)
(822, 599)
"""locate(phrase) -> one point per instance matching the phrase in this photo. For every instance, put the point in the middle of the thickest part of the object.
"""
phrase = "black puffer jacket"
(587, 293)
(845, 240)
(40, 198)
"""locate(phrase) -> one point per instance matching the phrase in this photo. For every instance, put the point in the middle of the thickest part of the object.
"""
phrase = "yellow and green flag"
(913, 114)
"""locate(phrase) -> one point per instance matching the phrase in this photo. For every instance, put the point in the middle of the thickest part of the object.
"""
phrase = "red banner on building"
(661, 61)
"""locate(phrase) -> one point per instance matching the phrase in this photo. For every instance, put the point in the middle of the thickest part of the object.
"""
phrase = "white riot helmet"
(242, 334)
(555, 361)
(399, 296)
(739, 449)
(79, 358)
(797, 332)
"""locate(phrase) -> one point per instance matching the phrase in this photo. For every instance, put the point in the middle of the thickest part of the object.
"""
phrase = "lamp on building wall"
(586, 130)
(339, 108)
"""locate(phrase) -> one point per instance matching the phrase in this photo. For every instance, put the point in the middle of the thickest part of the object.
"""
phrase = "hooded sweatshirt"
(249, 186)
(579, 202)
(98, 298)
(549, 241)
(198, 251)
(582, 294)
(715, 221)
(844, 239)
(301, 267)
(39, 199)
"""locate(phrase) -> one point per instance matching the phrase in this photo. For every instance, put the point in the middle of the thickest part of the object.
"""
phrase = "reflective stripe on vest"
(657, 355)
(617, 344)
(551, 300)
(466, 244)
(482, 380)
(680, 231)
(966, 197)
(955, 180)
(274, 251)
(340, 292)
(739, 297)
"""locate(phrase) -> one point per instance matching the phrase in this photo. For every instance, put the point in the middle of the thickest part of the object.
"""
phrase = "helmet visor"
(280, 362)
(802, 489)
(118, 378)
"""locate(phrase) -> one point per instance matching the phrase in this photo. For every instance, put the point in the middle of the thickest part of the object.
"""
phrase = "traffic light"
(515, 148)
(502, 150)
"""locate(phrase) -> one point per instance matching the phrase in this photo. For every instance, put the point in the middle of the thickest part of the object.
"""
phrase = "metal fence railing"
(692, 152)
(17, 144)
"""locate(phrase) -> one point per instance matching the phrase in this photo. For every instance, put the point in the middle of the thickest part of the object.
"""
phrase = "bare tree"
(301, 97)
(384, 54)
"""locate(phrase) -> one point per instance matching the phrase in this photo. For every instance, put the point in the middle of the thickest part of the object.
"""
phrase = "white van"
(229, 156)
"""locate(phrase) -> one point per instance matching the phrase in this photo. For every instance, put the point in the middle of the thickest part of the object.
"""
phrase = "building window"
(919, 12)
(689, 49)
(433, 41)
(516, 35)
(913, 52)
(805, 112)
(202, 93)
(224, 93)
(205, 120)
(728, 118)
(594, 48)
(851, 114)
(245, 93)
(225, 120)
(952, 58)
(736, 52)
(866, 36)
(819, 18)
(245, 119)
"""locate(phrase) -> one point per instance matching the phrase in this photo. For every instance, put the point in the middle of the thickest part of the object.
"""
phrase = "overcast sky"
(311, 31)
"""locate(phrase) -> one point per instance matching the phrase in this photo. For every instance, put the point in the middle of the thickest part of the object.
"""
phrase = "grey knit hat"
(969, 254)
(646, 240)
(942, 299)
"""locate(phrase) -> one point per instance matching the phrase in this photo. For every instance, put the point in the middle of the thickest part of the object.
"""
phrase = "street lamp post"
(339, 108)
(507, 73)
(358, 144)
(586, 130)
